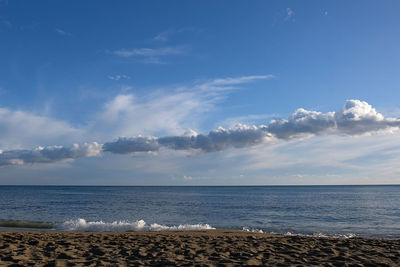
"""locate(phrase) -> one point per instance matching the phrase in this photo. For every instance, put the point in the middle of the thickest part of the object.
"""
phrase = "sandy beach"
(200, 248)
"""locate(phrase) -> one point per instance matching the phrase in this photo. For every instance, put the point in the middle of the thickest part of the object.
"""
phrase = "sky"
(199, 92)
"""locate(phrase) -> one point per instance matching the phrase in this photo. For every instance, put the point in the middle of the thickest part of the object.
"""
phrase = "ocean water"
(342, 211)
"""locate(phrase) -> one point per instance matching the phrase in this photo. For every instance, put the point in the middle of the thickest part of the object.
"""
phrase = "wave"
(319, 234)
(123, 226)
(26, 224)
(140, 225)
(315, 234)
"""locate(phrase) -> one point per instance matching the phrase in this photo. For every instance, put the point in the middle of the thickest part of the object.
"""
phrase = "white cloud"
(163, 36)
(21, 129)
(163, 112)
(118, 77)
(187, 178)
(326, 159)
(356, 117)
(217, 140)
(149, 52)
(151, 55)
(49, 154)
(247, 119)
(239, 80)
(62, 32)
(289, 14)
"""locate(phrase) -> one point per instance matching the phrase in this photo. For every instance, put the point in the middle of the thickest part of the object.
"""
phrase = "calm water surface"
(372, 211)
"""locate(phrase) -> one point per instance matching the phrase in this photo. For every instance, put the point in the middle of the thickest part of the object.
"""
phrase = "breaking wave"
(122, 226)
(315, 234)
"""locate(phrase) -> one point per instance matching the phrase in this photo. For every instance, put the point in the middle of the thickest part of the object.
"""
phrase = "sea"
(335, 211)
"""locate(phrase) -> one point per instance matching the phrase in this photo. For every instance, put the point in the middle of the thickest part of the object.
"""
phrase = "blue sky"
(72, 74)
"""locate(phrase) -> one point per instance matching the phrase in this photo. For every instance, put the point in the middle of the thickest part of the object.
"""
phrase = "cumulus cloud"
(217, 140)
(131, 145)
(356, 117)
(49, 154)
(302, 122)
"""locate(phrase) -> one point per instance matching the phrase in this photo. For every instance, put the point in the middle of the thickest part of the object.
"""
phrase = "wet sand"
(199, 248)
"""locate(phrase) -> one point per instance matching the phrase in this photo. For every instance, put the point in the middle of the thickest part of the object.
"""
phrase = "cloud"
(356, 118)
(22, 129)
(62, 32)
(49, 154)
(149, 52)
(131, 145)
(216, 140)
(118, 77)
(163, 36)
(248, 119)
(164, 112)
(187, 178)
(239, 80)
(289, 14)
(159, 122)
(151, 55)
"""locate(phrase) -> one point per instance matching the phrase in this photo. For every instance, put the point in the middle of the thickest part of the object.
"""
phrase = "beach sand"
(200, 248)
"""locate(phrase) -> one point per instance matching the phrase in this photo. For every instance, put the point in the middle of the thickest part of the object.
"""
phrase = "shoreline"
(190, 247)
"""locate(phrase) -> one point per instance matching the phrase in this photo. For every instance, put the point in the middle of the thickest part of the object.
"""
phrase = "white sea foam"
(253, 230)
(319, 234)
(315, 234)
(121, 226)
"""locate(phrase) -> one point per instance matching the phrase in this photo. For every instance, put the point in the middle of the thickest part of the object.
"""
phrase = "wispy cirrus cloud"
(138, 120)
(118, 77)
(163, 36)
(151, 55)
(289, 14)
(149, 52)
(165, 111)
(62, 32)
(166, 35)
